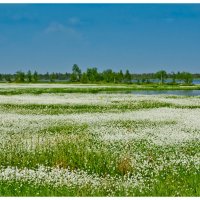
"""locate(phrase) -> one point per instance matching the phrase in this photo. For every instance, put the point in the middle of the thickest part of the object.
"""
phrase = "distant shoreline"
(40, 88)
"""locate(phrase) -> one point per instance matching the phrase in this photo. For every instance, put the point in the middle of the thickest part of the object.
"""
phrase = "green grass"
(68, 109)
(27, 189)
(187, 187)
(173, 180)
(115, 107)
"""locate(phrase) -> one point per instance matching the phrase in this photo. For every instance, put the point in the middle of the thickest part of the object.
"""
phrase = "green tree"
(186, 77)
(20, 77)
(35, 76)
(174, 76)
(161, 75)
(29, 76)
(76, 73)
(46, 76)
(108, 76)
(92, 74)
(84, 78)
(143, 80)
(120, 76)
(8, 77)
(127, 77)
(52, 77)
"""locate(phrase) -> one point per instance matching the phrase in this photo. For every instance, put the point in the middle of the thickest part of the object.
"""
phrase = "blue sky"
(138, 37)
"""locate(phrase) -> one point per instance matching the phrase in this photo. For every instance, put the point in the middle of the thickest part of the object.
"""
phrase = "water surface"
(167, 92)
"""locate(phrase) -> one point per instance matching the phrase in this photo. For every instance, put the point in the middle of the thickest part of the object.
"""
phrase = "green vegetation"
(92, 75)
(85, 144)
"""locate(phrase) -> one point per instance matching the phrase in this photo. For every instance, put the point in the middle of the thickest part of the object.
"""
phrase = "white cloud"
(73, 20)
(56, 27)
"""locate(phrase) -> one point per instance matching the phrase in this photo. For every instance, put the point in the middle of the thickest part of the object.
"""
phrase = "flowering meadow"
(98, 144)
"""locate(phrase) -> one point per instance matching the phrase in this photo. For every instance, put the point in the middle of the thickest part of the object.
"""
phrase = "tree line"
(92, 75)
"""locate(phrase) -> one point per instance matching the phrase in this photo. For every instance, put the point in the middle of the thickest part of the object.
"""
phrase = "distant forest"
(92, 75)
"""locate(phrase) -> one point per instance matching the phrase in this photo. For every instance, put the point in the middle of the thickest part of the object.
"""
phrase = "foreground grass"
(86, 152)
(189, 186)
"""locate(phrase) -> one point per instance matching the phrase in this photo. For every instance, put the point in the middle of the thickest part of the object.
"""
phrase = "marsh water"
(168, 92)
(157, 92)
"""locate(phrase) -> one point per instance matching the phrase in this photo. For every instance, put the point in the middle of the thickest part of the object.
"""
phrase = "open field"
(67, 141)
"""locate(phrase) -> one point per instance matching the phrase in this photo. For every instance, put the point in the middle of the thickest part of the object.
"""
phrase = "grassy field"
(65, 140)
